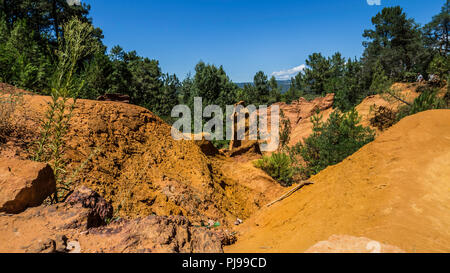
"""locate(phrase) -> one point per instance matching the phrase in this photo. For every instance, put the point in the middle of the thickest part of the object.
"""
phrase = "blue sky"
(244, 36)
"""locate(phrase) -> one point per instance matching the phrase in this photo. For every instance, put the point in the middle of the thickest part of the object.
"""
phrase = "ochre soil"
(394, 190)
(127, 155)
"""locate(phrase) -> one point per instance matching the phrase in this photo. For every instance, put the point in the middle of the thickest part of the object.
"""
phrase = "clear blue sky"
(242, 35)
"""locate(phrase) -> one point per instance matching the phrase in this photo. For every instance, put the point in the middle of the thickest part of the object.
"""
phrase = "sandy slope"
(395, 190)
(127, 154)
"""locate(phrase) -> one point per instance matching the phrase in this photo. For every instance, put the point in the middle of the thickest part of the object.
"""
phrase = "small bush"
(278, 166)
(440, 66)
(8, 104)
(384, 118)
(285, 131)
(331, 141)
(447, 95)
(221, 144)
(422, 88)
(428, 100)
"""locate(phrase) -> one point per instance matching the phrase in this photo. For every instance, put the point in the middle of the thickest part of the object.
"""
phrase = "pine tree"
(436, 32)
(396, 41)
(380, 82)
(275, 93)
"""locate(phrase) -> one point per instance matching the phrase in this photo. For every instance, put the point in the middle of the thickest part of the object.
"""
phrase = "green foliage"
(440, 66)
(23, 62)
(168, 98)
(330, 75)
(278, 166)
(317, 73)
(76, 44)
(262, 92)
(147, 82)
(275, 91)
(396, 42)
(409, 77)
(261, 88)
(213, 85)
(296, 90)
(29, 32)
(96, 73)
(332, 141)
(44, 17)
(285, 131)
(8, 105)
(351, 91)
(380, 82)
(447, 95)
(436, 32)
(141, 78)
(221, 144)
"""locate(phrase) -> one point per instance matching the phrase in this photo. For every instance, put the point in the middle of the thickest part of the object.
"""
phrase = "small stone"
(73, 247)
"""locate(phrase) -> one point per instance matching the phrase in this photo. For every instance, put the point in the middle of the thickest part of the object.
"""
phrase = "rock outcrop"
(153, 234)
(74, 224)
(24, 184)
(300, 112)
(101, 211)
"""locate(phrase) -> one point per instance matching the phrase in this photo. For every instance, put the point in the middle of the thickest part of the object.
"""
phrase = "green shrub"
(278, 166)
(383, 118)
(380, 81)
(427, 100)
(77, 43)
(439, 66)
(447, 95)
(409, 77)
(221, 144)
(331, 141)
(8, 104)
(285, 130)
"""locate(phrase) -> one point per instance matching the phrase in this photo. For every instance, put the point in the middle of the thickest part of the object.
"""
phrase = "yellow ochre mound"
(395, 190)
(127, 155)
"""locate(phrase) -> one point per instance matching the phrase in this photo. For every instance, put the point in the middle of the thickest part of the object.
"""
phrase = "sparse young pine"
(285, 131)
(428, 100)
(278, 166)
(380, 82)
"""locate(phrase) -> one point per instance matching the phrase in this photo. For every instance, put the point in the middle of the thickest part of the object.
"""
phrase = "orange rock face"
(73, 226)
(300, 112)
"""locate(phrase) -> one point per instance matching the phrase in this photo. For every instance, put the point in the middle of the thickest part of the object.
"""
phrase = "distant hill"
(284, 84)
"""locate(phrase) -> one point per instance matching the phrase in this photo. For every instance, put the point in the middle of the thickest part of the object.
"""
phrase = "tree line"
(396, 49)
